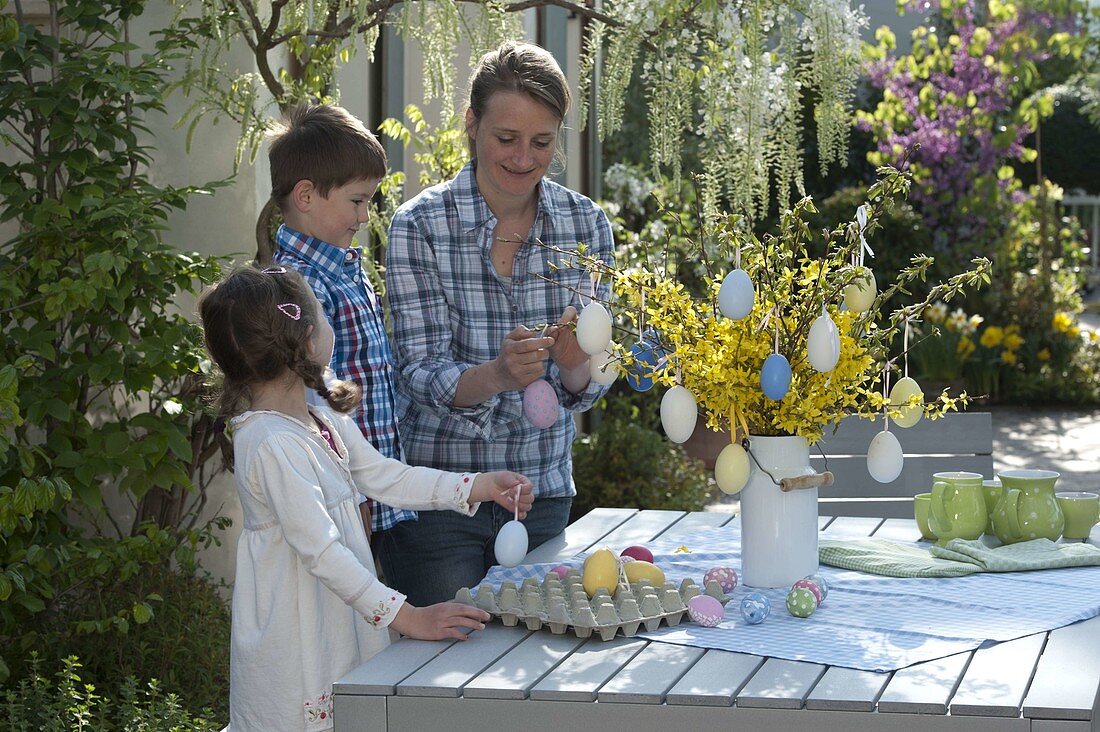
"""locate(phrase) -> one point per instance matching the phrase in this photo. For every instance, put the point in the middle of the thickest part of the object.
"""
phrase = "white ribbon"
(861, 219)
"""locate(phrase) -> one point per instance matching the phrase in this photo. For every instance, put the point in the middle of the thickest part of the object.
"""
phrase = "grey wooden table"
(510, 678)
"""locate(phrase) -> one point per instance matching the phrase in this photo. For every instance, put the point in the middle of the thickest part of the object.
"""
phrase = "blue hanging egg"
(775, 377)
(646, 356)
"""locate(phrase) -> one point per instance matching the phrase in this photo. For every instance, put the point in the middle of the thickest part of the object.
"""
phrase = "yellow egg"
(731, 469)
(899, 394)
(861, 293)
(642, 570)
(601, 569)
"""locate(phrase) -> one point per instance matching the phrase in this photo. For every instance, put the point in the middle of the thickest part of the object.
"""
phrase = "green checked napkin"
(958, 558)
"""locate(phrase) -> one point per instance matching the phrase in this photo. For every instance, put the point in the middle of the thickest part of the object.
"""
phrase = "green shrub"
(38, 704)
(624, 464)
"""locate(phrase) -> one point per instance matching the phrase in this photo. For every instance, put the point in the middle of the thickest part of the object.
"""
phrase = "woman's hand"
(566, 352)
(500, 486)
(522, 359)
(436, 622)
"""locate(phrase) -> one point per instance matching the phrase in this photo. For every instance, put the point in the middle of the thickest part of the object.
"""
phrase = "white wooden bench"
(958, 441)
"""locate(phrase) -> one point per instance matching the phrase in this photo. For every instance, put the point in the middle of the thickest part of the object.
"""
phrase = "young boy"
(325, 166)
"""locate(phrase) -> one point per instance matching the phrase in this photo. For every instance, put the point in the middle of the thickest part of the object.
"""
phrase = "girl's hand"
(436, 622)
(566, 352)
(500, 486)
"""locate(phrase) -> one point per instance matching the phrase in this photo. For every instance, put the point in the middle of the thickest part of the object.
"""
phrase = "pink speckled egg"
(562, 571)
(812, 586)
(540, 404)
(705, 610)
(726, 577)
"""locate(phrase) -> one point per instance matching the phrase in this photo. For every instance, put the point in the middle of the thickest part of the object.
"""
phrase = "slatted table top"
(512, 678)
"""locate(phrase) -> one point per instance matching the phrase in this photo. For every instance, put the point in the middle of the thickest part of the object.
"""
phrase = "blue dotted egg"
(775, 377)
(646, 356)
(755, 608)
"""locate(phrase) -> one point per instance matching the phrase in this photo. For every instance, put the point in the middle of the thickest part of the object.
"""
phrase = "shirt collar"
(473, 211)
(326, 257)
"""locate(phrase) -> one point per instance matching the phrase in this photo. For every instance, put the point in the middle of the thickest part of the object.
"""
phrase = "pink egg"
(540, 404)
(637, 552)
(812, 586)
(562, 571)
(726, 577)
(705, 610)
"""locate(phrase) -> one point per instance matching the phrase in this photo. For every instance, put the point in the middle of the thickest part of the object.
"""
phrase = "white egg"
(511, 544)
(731, 469)
(679, 412)
(594, 328)
(899, 394)
(861, 293)
(884, 457)
(604, 371)
(823, 344)
(736, 295)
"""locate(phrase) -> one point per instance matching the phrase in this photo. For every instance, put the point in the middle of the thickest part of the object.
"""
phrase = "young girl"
(307, 607)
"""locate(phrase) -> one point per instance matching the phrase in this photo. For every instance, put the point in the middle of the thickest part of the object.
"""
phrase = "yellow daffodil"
(992, 336)
(1043, 355)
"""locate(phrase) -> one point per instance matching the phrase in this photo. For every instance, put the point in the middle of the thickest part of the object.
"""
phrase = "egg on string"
(603, 368)
(775, 376)
(899, 394)
(860, 294)
(646, 357)
(884, 457)
(511, 544)
(736, 295)
(540, 404)
(594, 328)
(731, 469)
(823, 343)
(679, 412)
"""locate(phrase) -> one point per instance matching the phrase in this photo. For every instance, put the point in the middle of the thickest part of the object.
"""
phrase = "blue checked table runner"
(869, 621)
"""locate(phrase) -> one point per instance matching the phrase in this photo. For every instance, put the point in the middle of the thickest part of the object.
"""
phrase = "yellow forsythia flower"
(1061, 322)
(992, 336)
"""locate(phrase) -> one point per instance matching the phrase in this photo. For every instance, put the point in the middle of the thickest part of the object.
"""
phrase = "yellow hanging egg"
(899, 395)
(731, 469)
(861, 293)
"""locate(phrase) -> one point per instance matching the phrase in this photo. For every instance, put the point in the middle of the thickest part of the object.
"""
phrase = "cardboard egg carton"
(562, 604)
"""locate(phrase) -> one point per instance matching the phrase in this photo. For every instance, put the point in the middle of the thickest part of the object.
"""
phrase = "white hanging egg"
(604, 371)
(884, 457)
(736, 295)
(594, 328)
(823, 344)
(540, 403)
(511, 544)
(731, 469)
(899, 394)
(679, 412)
(861, 293)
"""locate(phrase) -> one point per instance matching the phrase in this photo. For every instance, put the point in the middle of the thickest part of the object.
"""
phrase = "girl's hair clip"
(274, 270)
(290, 309)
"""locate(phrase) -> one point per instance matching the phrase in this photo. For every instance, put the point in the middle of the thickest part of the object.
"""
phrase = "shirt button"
(349, 256)
(355, 278)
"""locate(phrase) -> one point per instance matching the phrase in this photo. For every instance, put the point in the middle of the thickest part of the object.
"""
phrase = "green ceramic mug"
(920, 513)
(1082, 511)
(993, 491)
(957, 506)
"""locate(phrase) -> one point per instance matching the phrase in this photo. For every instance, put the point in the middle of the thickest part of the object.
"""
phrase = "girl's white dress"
(307, 606)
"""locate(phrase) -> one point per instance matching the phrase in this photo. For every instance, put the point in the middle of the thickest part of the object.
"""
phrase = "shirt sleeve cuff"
(461, 497)
(583, 400)
(378, 608)
(444, 386)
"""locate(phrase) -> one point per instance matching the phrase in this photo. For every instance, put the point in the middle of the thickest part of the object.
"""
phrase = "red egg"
(637, 552)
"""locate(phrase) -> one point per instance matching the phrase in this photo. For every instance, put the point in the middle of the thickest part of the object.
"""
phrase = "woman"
(479, 313)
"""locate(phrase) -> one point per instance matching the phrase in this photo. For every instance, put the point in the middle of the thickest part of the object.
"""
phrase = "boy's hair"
(255, 325)
(324, 144)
